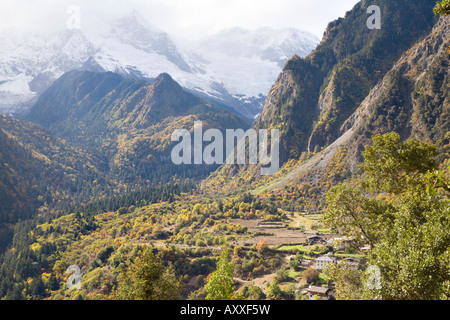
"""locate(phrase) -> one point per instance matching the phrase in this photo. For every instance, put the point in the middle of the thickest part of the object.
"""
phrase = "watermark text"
(238, 147)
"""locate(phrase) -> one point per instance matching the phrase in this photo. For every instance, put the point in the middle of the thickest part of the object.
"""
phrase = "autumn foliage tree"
(220, 283)
(442, 8)
(402, 210)
(148, 279)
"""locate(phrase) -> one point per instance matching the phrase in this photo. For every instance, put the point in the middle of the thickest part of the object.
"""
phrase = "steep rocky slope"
(412, 99)
(319, 111)
(314, 96)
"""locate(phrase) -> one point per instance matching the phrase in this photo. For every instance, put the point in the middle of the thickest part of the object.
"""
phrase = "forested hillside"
(100, 135)
(41, 173)
(129, 122)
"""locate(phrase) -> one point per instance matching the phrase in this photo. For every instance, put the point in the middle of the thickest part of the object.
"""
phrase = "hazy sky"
(184, 18)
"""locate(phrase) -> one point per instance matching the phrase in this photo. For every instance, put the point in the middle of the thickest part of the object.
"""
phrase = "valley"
(88, 177)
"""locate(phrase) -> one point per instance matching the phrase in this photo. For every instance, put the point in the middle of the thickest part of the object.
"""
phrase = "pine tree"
(52, 283)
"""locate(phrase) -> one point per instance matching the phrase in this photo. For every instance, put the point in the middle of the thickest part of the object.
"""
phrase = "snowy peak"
(30, 64)
(275, 45)
(135, 19)
(234, 68)
(134, 30)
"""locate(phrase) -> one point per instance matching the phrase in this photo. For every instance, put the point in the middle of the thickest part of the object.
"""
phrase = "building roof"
(352, 259)
(315, 237)
(326, 258)
(342, 240)
(318, 290)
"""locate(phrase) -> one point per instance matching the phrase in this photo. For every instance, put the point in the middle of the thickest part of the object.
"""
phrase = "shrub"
(311, 276)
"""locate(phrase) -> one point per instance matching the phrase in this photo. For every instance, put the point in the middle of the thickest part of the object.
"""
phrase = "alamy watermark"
(233, 149)
(374, 21)
(374, 278)
(74, 281)
(74, 20)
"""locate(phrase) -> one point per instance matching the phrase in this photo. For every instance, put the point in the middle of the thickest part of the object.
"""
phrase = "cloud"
(184, 18)
(199, 17)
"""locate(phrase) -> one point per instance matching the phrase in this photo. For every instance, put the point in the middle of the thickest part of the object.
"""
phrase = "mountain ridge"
(130, 122)
(132, 47)
(304, 106)
(345, 65)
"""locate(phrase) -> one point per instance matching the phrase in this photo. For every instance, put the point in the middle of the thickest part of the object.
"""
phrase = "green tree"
(148, 279)
(348, 281)
(255, 293)
(401, 209)
(37, 288)
(391, 165)
(442, 8)
(274, 291)
(220, 283)
(52, 283)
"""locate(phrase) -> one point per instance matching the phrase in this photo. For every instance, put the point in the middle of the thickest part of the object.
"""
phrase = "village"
(318, 248)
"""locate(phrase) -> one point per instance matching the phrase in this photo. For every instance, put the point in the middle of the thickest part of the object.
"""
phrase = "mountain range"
(87, 164)
(128, 122)
(233, 68)
(97, 134)
(357, 83)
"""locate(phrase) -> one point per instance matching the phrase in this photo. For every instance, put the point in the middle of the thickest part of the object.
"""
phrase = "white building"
(324, 261)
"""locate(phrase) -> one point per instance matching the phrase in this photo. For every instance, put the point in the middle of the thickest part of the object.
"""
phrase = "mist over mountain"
(265, 43)
(231, 72)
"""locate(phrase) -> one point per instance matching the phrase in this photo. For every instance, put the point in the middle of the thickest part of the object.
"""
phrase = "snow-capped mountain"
(234, 68)
(29, 65)
(265, 43)
(248, 62)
